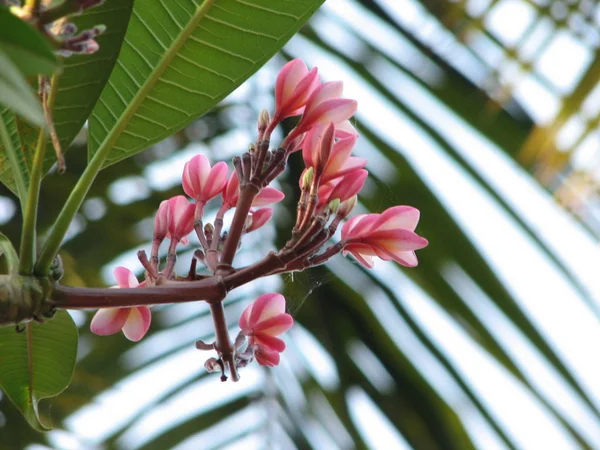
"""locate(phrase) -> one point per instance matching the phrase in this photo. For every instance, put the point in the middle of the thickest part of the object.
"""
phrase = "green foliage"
(16, 94)
(25, 46)
(179, 59)
(37, 363)
(77, 87)
(8, 256)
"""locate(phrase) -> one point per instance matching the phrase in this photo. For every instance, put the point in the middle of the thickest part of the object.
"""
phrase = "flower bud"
(334, 205)
(263, 121)
(346, 207)
(307, 179)
(212, 365)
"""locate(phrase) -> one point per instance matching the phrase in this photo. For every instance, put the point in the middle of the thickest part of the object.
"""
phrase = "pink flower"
(294, 85)
(258, 218)
(262, 322)
(389, 236)
(200, 181)
(133, 321)
(339, 162)
(324, 106)
(342, 188)
(180, 218)
(161, 221)
(231, 193)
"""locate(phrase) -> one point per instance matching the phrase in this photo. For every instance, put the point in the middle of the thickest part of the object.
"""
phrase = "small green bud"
(307, 179)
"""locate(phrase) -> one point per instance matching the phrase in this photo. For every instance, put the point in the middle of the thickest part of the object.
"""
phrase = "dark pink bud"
(180, 217)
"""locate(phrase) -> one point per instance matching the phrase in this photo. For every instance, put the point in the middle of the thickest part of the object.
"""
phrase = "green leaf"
(7, 175)
(26, 46)
(37, 363)
(84, 76)
(79, 85)
(8, 256)
(16, 94)
(179, 59)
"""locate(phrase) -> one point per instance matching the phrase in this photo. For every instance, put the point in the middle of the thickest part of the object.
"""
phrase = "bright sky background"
(541, 290)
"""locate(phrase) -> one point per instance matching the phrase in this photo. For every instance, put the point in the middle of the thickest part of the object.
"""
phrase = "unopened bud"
(334, 205)
(69, 29)
(98, 29)
(263, 121)
(212, 365)
(346, 207)
(307, 179)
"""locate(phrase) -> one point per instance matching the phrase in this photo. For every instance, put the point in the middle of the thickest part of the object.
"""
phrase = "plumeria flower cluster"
(329, 186)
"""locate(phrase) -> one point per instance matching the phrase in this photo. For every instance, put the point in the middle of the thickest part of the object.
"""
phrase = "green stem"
(14, 164)
(58, 231)
(28, 238)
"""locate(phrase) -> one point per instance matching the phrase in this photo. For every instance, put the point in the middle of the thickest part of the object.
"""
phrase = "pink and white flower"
(338, 162)
(342, 188)
(262, 322)
(389, 236)
(180, 218)
(203, 182)
(134, 321)
(258, 218)
(294, 85)
(323, 107)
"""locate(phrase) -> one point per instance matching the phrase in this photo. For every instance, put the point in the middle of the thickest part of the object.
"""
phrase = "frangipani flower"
(323, 107)
(262, 322)
(258, 218)
(201, 181)
(338, 162)
(389, 236)
(134, 321)
(294, 85)
(342, 188)
(180, 218)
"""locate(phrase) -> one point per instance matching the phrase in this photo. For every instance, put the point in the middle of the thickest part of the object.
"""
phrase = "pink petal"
(405, 217)
(363, 258)
(344, 129)
(325, 92)
(265, 307)
(137, 323)
(216, 180)
(275, 325)
(108, 321)
(287, 79)
(268, 196)
(270, 342)
(397, 240)
(125, 277)
(259, 218)
(334, 111)
(266, 357)
(408, 259)
(244, 322)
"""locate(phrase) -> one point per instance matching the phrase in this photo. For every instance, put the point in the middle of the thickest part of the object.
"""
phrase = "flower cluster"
(329, 186)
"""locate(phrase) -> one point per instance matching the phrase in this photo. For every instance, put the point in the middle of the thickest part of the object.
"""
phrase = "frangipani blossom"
(294, 85)
(342, 188)
(389, 236)
(324, 106)
(231, 193)
(262, 322)
(339, 162)
(258, 218)
(180, 218)
(134, 321)
(201, 181)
